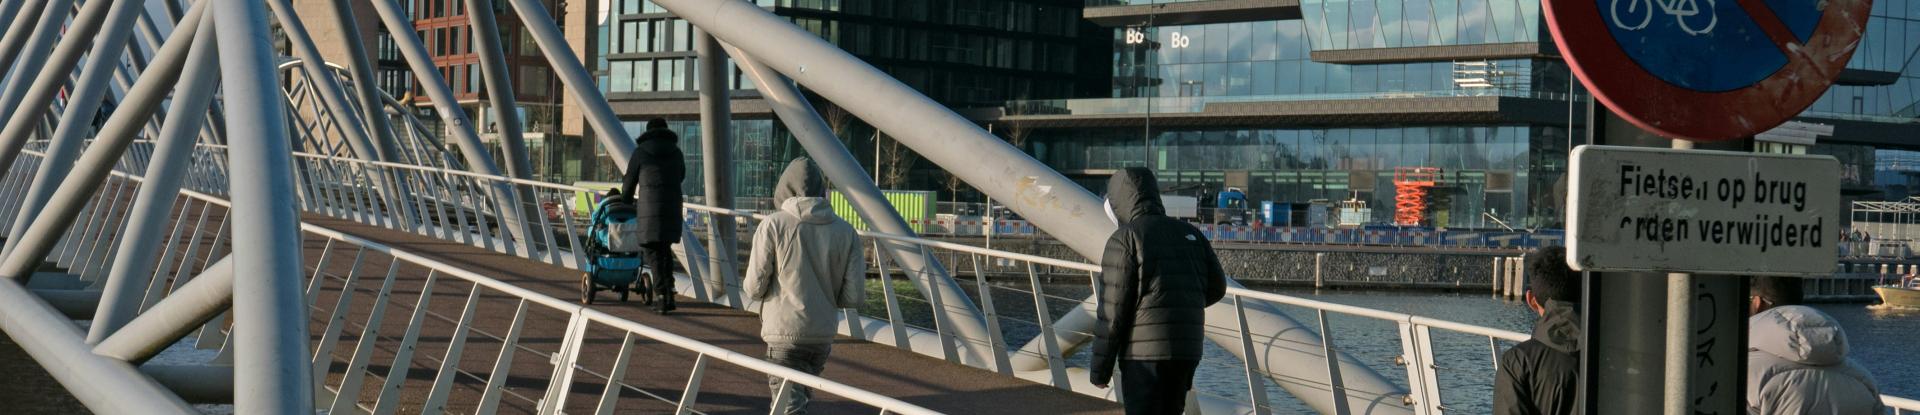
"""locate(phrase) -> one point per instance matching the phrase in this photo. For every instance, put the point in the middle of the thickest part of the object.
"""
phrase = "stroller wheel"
(644, 284)
(623, 293)
(586, 288)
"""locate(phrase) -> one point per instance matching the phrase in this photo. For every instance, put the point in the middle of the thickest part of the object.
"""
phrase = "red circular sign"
(1707, 70)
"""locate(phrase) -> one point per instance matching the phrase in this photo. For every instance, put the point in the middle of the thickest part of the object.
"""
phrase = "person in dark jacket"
(653, 180)
(1539, 376)
(1157, 277)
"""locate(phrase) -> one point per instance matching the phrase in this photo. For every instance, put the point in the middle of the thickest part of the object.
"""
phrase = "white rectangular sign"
(1715, 212)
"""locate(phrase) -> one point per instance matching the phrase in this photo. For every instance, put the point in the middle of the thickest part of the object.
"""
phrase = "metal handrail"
(582, 314)
(1421, 370)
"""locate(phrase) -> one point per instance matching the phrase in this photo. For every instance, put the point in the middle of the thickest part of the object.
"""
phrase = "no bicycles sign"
(1707, 69)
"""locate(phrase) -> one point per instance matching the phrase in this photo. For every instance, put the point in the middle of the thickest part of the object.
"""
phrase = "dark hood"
(1559, 326)
(1133, 193)
(801, 179)
(664, 136)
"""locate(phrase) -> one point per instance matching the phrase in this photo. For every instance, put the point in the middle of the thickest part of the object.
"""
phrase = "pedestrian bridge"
(303, 242)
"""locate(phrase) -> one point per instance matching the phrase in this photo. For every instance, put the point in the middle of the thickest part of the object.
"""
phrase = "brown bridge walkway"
(656, 372)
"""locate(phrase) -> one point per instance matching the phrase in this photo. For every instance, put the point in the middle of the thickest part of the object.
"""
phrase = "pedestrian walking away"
(1541, 375)
(806, 265)
(1157, 277)
(654, 175)
(1797, 357)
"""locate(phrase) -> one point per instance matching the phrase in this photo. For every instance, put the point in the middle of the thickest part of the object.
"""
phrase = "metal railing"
(199, 238)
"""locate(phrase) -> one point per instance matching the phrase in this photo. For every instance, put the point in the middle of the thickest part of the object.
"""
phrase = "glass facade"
(1270, 58)
(959, 52)
(1368, 24)
(1501, 170)
(1892, 37)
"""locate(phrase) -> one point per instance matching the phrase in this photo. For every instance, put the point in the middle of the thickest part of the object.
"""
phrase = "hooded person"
(653, 179)
(1157, 277)
(1541, 375)
(1797, 364)
(805, 266)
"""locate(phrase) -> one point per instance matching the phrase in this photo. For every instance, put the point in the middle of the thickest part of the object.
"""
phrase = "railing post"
(894, 318)
(497, 379)
(389, 395)
(691, 393)
(1335, 384)
(563, 362)
(450, 363)
(347, 399)
(1422, 375)
(616, 377)
(995, 339)
(1256, 388)
(1055, 362)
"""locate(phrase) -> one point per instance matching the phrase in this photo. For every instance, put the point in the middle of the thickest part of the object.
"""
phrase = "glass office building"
(1323, 99)
(962, 53)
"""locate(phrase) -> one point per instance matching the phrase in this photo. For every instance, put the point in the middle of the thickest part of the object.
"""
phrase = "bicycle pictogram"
(1692, 18)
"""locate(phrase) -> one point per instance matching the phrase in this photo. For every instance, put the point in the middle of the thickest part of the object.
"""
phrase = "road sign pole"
(1645, 332)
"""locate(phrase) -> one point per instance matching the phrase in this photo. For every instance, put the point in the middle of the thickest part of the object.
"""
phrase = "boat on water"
(1905, 293)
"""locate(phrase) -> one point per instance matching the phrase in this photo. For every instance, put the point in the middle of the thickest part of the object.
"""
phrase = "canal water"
(1883, 339)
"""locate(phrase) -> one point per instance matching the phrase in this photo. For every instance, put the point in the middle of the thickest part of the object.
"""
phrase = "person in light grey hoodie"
(1797, 358)
(806, 265)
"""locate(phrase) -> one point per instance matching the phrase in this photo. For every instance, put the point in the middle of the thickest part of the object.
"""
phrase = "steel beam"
(365, 81)
(83, 103)
(104, 385)
(173, 155)
(506, 117)
(479, 160)
(716, 156)
(28, 41)
(322, 81)
(578, 81)
(271, 373)
(23, 12)
(41, 71)
(840, 167)
(182, 312)
(39, 234)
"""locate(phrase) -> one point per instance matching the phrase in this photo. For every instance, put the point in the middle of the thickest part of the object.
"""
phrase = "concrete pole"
(1499, 274)
(271, 369)
(577, 80)
(838, 164)
(39, 234)
(716, 147)
(40, 71)
(1319, 259)
(115, 19)
(146, 226)
(499, 83)
(479, 160)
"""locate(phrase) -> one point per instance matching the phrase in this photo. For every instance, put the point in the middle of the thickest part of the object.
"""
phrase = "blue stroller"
(613, 251)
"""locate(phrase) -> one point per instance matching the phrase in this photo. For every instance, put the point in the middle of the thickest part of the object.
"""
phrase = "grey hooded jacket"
(1797, 364)
(806, 263)
(1157, 277)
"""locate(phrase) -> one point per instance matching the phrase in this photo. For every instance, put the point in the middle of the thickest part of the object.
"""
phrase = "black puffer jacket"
(1538, 376)
(653, 178)
(1157, 277)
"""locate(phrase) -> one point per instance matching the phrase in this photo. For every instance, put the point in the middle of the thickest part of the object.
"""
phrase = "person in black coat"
(1540, 375)
(653, 179)
(1157, 277)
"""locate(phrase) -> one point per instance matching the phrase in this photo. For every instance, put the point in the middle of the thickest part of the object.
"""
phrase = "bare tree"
(896, 160)
(838, 119)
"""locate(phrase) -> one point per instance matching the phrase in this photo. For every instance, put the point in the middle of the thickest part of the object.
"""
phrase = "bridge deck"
(657, 369)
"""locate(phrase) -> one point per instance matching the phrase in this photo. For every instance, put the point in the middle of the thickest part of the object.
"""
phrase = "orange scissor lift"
(1410, 203)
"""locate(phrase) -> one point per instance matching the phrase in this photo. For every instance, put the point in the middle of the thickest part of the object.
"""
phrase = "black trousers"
(1156, 387)
(659, 256)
